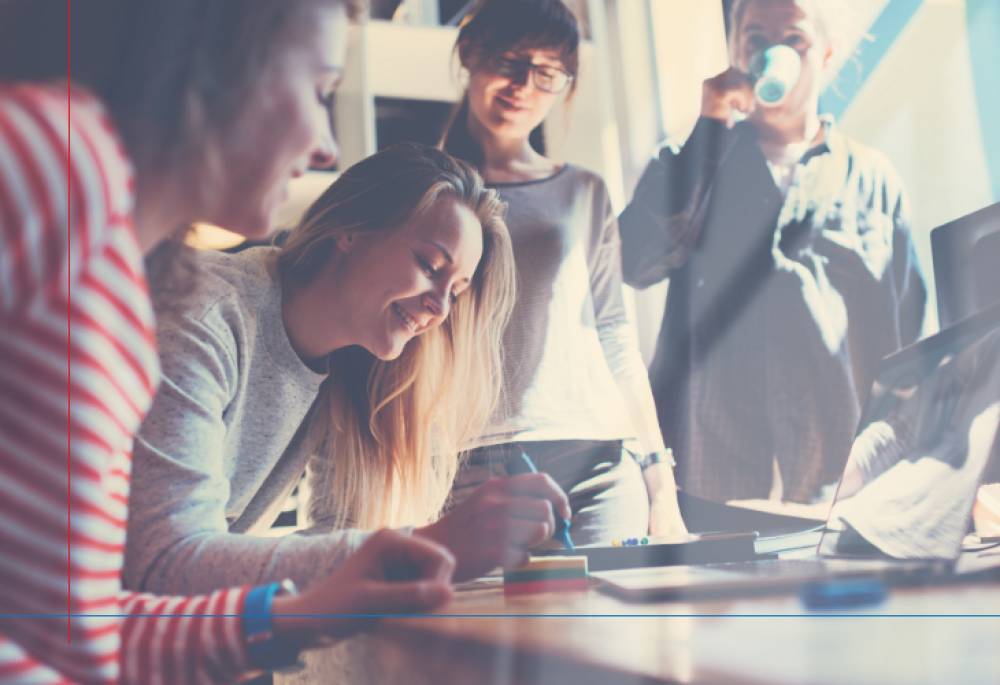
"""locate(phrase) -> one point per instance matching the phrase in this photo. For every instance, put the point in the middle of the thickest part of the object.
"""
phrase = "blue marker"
(523, 464)
(841, 594)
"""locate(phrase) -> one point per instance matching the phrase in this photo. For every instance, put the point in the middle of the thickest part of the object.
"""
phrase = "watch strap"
(265, 650)
(658, 457)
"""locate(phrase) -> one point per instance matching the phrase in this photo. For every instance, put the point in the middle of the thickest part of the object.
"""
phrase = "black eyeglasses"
(544, 77)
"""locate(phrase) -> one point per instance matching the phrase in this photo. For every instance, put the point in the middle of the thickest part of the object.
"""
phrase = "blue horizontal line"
(844, 614)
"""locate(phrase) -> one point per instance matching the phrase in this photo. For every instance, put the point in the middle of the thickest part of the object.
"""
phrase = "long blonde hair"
(388, 435)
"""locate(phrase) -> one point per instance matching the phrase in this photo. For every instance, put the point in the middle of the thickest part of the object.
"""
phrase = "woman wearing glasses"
(575, 384)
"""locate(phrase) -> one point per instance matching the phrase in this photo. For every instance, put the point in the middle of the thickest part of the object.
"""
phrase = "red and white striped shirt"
(78, 369)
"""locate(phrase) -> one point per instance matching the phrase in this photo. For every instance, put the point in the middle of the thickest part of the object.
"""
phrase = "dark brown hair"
(173, 74)
(500, 26)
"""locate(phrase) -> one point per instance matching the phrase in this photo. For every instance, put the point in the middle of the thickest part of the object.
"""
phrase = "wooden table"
(920, 635)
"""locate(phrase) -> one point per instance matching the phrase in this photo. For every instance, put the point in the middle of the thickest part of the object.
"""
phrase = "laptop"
(926, 441)
(966, 253)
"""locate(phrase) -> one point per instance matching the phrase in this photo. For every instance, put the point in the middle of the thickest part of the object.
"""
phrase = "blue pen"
(843, 594)
(523, 464)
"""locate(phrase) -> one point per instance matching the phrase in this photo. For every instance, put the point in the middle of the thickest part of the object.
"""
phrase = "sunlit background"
(916, 79)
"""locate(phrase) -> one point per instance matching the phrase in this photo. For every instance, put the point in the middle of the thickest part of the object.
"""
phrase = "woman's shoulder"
(592, 185)
(56, 105)
(570, 190)
(59, 125)
(584, 176)
(246, 271)
(580, 181)
(227, 288)
(561, 174)
(59, 145)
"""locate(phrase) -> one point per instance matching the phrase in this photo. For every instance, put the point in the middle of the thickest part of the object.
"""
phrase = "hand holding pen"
(500, 522)
(522, 463)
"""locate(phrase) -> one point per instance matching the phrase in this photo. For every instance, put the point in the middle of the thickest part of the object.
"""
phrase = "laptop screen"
(965, 254)
(926, 448)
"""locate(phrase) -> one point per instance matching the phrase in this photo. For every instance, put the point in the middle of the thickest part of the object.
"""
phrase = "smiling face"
(286, 127)
(400, 283)
(784, 22)
(505, 100)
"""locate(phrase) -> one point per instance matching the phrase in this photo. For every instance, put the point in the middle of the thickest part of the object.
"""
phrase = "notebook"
(926, 441)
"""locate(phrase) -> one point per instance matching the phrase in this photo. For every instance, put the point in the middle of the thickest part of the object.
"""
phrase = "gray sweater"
(223, 445)
(573, 370)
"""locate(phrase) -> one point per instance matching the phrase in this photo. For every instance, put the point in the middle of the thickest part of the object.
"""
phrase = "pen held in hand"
(522, 464)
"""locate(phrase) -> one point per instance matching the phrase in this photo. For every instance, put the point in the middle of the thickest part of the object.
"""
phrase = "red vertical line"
(69, 372)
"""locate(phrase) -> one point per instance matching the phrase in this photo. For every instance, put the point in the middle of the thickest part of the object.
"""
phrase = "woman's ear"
(345, 242)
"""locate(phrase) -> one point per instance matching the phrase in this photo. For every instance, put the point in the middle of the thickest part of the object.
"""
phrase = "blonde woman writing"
(368, 341)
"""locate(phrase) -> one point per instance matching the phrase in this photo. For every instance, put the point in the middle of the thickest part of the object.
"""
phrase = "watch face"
(287, 587)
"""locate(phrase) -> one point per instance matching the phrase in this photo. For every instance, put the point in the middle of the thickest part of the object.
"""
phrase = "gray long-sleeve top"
(223, 445)
(779, 307)
(572, 368)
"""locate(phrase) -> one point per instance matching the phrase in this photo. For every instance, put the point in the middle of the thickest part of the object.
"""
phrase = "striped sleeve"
(78, 369)
(198, 641)
(38, 187)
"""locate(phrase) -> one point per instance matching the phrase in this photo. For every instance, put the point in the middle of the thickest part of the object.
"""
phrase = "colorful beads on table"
(630, 542)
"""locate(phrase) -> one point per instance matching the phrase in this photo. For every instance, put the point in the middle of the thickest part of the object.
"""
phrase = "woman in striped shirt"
(90, 180)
